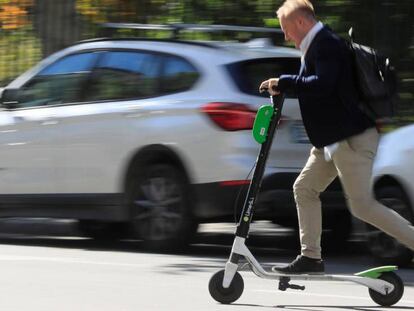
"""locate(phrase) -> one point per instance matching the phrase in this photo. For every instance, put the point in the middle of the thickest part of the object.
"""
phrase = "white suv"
(393, 182)
(150, 133)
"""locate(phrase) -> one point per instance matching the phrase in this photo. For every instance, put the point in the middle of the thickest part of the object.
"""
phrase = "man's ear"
(300, 22)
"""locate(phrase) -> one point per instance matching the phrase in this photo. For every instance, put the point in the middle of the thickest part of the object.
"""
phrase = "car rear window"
(249, 74)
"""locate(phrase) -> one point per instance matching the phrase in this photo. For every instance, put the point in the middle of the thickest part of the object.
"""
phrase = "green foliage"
(18, 52)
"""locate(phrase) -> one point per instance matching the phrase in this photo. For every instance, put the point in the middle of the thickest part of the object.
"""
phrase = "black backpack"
(376, 80)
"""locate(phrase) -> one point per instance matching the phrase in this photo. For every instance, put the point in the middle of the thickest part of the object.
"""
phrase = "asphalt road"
(44, 272)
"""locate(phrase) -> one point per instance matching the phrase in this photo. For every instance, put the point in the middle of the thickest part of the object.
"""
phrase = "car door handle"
(135, 114)
(18, 119)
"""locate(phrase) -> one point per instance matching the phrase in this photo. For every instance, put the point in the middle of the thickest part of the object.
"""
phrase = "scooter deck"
(373, 273)
(239, 247)
(369, 278)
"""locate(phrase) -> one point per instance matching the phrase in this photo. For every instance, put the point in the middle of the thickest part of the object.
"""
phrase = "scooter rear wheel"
(390, 298)
(225, 295)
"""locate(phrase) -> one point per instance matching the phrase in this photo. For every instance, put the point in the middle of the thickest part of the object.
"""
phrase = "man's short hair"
(292, 6)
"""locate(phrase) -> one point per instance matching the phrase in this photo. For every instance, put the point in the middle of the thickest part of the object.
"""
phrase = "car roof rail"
(177, 28)
(196, 43)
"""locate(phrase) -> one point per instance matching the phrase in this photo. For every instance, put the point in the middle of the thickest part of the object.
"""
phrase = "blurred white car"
(393, 181)
(153, 135)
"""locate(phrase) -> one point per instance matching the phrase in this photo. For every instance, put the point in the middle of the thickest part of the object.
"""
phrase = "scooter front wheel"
(390, 298)
(225, 295)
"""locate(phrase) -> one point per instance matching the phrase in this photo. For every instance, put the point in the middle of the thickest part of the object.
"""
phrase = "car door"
(93, 147)
(29, 134)
(26, 140)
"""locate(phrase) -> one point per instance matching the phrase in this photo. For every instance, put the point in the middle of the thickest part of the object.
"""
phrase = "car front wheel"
(384, 248)
(160, 211)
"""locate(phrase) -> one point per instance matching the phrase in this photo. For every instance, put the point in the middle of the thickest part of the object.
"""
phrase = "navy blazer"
(326, 91)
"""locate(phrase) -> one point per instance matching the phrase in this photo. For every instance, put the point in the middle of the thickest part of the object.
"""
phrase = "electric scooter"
(226, 286)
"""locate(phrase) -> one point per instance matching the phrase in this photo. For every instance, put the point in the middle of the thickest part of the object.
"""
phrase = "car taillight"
(230, 183)
(230, 116)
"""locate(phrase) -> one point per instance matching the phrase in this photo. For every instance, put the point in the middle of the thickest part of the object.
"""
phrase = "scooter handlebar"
(277, 100)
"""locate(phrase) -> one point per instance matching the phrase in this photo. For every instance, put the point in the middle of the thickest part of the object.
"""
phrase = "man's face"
(292, 28)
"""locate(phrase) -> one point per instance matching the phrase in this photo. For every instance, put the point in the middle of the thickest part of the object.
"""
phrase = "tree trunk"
(56, 24)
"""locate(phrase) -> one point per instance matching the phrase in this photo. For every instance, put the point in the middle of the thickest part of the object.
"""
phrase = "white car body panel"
(27, 140)
(395, 157)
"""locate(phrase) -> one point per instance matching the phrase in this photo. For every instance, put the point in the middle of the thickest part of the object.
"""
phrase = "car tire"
(159, 201)
(384, 248)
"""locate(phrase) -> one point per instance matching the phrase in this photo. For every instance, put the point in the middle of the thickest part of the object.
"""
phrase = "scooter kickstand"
(284, 284)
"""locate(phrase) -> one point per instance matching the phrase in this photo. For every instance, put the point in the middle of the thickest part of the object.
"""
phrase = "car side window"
(177, 75)
(60, 82)
(125, 75)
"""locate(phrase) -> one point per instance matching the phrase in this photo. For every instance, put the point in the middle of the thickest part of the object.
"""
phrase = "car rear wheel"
(384, 248)
(160, 211)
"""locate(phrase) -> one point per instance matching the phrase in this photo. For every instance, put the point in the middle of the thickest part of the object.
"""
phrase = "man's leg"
(354, 159)
(314, 179)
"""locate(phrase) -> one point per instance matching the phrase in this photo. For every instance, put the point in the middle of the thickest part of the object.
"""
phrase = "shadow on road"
(65, 234)
(209, 251)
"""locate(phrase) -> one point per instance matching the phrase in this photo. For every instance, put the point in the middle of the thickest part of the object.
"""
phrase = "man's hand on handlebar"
(270, 86)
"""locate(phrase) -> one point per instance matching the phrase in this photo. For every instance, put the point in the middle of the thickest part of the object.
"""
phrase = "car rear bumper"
(219, 202)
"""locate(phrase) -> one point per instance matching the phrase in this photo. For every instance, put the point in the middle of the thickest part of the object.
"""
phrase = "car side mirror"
(9, 98)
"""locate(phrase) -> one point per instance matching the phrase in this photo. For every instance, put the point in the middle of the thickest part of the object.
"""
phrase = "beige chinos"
(352, 162)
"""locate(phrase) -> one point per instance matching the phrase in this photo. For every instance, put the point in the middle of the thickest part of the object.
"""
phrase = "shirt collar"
(304, 45)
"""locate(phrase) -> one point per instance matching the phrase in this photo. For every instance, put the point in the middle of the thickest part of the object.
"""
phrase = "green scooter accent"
(375, 273)
(262, 122)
